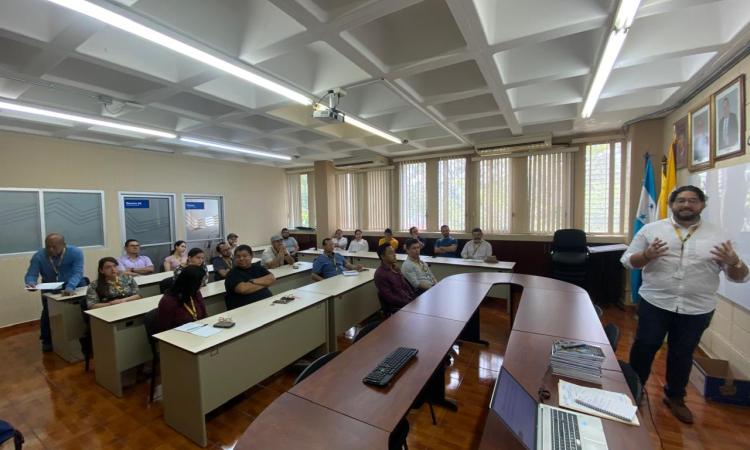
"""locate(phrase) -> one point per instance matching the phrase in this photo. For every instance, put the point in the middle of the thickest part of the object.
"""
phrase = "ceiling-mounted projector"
(330, 115)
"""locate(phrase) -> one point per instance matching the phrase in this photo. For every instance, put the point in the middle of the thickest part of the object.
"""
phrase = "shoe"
(679, 410)
(46, 348)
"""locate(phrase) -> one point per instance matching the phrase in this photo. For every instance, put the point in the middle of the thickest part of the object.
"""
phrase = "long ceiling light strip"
(84, 119)
(133, 27)
(234, 148)
(369, 128)
(624, 17)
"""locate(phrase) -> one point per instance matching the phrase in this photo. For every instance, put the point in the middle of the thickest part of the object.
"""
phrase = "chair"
(165, 284)
(613, 335)
(397, 439)
(569, 256)
(366, 329)
(633, 380)
(388, 310)
(151, 325)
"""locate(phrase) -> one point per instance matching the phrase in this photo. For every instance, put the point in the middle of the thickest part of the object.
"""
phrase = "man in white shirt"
(339, 241)
(358, 244)
(681, 259)
(416, 271)
(477, 248)
(275, 255)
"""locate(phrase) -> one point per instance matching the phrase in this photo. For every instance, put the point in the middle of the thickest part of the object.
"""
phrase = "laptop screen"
(516, 408)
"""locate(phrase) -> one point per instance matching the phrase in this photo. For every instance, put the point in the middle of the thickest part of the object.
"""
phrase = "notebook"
(597, 402)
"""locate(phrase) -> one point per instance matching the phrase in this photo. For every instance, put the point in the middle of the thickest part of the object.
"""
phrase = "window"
(548, 185)
(148, 218)
(494, 195)
(27, 215)
(606, 187)
(347, 196)
(378, 199)
(300, 200)
(204, 221)
(413, 194)
(452, 193)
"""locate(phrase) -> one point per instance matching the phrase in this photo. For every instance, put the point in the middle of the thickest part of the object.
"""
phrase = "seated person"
(358, 244)
(392, 287)
(234, 241)
(195, 257)
(416, 271)
(246, 282)
(132, 262)
(110, 286)
(388, 239)
(330, 264)
(477, 248)
(290, 242)
(183, 301)
(414, 234)
(275, 255)
(223, 262)
(339, 241)
(446, 246)
(177, 258)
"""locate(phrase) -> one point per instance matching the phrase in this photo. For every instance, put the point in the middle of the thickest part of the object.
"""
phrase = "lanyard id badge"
(680, 272)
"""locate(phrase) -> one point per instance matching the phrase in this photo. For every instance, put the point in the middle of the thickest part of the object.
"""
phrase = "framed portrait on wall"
(729, 119)
(680, 132)
(700, 154)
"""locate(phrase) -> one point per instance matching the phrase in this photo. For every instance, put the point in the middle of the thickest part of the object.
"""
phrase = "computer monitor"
(516, 408)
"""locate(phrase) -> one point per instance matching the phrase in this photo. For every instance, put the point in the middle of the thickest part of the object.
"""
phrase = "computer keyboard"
(565, 434)
(389, 367)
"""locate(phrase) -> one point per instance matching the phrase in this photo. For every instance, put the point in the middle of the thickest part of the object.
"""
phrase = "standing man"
(681, 259)
(132, 262)
(275, 255)
(477, 248)
(416, 271)
(447, 246)
(728, 125)
(330, 264)
(290, 243)
(55, 262)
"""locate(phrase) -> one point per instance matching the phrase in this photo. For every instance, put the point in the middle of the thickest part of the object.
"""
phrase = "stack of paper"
(577, 360)
(199, 329)
(597, 402)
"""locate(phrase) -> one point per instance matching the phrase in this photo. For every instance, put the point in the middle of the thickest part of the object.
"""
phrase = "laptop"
(544, 427)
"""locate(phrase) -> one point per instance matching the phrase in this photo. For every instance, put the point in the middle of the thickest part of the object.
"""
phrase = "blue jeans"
(684, 332)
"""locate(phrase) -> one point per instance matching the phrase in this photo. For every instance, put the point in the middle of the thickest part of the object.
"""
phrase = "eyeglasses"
(691, 201)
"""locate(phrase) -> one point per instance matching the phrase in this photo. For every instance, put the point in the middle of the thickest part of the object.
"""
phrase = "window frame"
(222, 214)
(121, 210)
(625, 187)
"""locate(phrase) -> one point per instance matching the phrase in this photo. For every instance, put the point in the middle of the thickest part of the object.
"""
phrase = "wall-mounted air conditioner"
(355, 163)
(514, 145)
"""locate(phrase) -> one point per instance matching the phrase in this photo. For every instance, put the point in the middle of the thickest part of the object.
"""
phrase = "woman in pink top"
(177, 258)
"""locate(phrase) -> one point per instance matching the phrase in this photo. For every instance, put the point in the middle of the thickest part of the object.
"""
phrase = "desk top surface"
(340, 283)
(500, 265)
(443, 302)
(315, 427)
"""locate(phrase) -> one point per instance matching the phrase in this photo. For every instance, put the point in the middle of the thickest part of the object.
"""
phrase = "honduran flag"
(646, 214)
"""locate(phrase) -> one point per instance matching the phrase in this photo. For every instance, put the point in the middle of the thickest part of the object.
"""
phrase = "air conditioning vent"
(515, 145)
(360, 163)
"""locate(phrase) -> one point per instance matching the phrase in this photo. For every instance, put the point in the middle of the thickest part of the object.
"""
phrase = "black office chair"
(613, 335)
(388, 310)
(165, 284)
(397, 439)
(87, 347)
(633, 380)
(569, 256)
(150, 322)
(365, 329)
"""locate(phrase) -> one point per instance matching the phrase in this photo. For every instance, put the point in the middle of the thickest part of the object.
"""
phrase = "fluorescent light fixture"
(133, 27)
(369, 128)
(624, 17)
(234, 148)
(84, 119)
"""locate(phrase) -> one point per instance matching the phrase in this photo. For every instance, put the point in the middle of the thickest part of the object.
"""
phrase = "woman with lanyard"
(111, 287)
(183, 302)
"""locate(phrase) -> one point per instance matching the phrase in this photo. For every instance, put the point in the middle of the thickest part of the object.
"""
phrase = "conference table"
(547, 309)
(119, 336)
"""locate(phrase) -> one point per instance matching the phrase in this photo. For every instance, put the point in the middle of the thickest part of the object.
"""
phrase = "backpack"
(7, 432)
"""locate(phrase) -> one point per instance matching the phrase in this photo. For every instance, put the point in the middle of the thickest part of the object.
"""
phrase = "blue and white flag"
(646, 213)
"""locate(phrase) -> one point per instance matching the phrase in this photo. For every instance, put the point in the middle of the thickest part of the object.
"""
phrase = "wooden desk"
(199, 374)
(316, 427)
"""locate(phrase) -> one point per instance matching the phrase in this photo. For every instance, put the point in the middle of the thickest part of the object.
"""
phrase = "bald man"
(57, 261)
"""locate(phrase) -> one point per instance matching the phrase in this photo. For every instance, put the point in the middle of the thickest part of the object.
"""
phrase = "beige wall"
(254, 196)
(729, 335)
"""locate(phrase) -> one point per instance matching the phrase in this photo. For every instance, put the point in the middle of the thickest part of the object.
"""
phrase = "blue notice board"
(195, 205)
(136, 203)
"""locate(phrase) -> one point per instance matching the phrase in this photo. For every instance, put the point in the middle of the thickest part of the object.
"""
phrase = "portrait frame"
(681, 137)
(729, 135)
(700, 152)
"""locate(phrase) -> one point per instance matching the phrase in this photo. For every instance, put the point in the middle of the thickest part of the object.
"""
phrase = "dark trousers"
(45, 331)
(684, 333)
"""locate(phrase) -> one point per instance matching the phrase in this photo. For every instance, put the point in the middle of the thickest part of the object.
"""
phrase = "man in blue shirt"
(55, 262)
(330, 264)
(446, 246)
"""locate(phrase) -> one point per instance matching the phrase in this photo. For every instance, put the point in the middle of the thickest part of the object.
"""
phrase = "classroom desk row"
(119, 337)
(333, 409)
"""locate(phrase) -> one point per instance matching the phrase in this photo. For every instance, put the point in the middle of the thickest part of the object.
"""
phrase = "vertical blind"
(379, 199)
(548, 185)
(300, 200)
(347, 194)
(494, 195)
(452, 193)
(413, 190)
(606, 188)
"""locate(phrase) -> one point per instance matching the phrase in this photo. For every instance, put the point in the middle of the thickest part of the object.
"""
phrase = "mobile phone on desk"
(224, 323)
(284, 300)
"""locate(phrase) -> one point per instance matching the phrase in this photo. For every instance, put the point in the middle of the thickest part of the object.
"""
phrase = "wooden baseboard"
(17, 328)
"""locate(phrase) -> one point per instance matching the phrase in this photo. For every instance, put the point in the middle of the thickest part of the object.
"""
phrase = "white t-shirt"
(359, 246)
(472, 250)
(340, 243)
